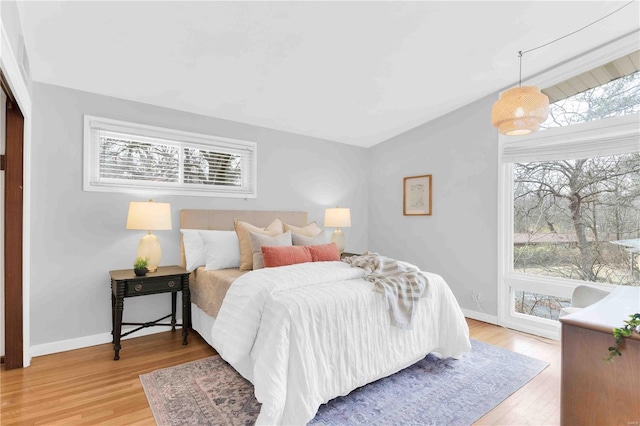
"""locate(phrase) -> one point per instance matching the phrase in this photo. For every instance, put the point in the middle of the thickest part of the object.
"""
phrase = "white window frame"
(91, 182)
(586, 137)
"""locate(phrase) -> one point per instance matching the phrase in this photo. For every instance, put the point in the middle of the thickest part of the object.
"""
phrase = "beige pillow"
(259, 240)
(310, 230)
(243, 229)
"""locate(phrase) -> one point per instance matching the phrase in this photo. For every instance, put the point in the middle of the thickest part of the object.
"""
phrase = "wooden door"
(12, 165)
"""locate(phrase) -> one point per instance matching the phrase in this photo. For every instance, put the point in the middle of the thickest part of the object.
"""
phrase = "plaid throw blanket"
(401, 284)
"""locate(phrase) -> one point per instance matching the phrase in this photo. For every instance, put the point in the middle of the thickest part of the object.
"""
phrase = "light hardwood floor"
(86, 386)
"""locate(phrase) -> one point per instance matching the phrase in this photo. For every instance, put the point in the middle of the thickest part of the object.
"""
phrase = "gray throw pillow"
(259, 240)
(302, 240)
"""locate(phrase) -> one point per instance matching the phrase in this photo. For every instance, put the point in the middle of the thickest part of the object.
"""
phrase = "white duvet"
(307, 333)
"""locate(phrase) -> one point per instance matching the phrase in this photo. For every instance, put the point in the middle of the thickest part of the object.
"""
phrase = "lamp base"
(149, 248)
(337, 237)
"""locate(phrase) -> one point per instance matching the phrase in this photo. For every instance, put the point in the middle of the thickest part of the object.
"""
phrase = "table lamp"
(337, 218)
(149, 216)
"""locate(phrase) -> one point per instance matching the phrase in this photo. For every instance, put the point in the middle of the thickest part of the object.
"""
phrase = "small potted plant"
(140, 267)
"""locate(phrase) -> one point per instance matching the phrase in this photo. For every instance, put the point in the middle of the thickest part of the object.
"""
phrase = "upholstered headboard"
(224, 219)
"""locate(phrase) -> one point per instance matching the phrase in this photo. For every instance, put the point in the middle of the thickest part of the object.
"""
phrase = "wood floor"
(86, 386)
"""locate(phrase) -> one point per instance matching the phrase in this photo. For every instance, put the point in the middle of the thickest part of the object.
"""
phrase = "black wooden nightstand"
(345, 254)
(124, 283)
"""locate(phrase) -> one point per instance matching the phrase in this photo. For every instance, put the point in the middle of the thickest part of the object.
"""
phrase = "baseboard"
(85, 342)
(533, 331)
(100, 339)
(480, 316)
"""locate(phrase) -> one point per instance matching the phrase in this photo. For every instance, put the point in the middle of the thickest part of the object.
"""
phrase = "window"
(125, 157)
(572, 213)
(615, 98)
(570, 204)
(577, 219)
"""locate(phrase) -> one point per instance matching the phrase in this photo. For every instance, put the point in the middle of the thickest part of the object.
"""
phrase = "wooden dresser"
(592, 391)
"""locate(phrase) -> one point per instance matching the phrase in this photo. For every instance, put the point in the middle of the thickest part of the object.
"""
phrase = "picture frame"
(417, 196)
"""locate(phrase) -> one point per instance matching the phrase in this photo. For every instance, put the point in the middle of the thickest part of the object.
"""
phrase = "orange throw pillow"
(285, 255)
(324, 252)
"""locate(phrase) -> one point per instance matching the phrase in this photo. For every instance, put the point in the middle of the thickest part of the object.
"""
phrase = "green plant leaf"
(620, 334)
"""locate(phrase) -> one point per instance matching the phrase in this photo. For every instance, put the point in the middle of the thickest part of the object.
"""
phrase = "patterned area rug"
(432, 391)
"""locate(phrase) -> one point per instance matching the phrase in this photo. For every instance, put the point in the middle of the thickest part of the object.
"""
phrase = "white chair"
(583, 296)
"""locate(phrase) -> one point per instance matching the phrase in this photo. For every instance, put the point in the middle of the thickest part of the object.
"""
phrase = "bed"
(306, 333)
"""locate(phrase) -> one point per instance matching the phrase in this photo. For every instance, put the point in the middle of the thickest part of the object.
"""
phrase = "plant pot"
(140, 272)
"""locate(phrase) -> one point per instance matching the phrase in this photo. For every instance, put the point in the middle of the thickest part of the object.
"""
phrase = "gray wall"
(77, 236)
(459, 240)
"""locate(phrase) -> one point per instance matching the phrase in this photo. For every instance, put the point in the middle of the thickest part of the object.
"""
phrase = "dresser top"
(608, 313)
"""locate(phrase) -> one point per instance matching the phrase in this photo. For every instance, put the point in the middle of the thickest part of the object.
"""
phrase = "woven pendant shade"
(520, 111)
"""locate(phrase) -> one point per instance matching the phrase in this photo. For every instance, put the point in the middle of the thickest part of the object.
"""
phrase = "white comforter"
(307, 333)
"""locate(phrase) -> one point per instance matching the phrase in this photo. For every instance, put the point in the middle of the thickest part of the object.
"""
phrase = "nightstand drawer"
(146, 286)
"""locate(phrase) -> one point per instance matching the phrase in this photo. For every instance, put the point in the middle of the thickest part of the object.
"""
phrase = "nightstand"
(345, 254)
(167, 279)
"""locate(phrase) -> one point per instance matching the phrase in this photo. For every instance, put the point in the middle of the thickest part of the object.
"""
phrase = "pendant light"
(520, 110)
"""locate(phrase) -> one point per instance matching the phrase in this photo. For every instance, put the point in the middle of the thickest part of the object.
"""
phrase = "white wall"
(459, 241)
(13, 44)
(77, 237)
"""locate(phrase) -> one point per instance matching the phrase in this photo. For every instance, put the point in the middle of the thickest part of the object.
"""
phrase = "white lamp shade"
(520, 111)
(149, 216)
(337, 218)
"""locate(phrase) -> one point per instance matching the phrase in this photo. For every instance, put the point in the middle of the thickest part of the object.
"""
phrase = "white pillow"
(193, 248)
(224, 249)
(221, 248)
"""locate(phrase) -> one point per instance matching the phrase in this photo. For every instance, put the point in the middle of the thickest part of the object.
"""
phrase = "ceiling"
(352, 72)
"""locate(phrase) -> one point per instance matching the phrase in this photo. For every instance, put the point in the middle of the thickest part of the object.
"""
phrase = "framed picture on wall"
(417, 196)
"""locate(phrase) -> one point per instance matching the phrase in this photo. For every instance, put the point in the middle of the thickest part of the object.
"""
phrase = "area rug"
(430, 392)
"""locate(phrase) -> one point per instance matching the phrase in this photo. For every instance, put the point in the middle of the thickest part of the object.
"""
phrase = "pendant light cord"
(520, 75)
(520, 53)
(578, 30)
